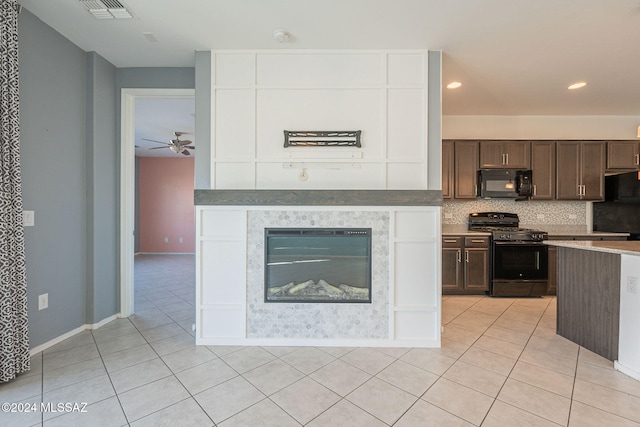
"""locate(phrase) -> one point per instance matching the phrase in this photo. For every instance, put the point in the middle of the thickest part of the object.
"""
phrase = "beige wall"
(540, 127)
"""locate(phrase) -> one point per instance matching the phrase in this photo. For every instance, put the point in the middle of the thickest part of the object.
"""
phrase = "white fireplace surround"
(392, 182)
(405, 308)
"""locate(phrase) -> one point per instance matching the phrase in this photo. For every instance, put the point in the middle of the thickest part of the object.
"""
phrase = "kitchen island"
(599, 300)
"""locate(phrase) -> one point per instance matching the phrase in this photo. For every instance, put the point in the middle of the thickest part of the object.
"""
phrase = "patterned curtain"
(14, 338)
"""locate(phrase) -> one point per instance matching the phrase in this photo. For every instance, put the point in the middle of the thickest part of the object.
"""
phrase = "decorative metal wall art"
(344, 138)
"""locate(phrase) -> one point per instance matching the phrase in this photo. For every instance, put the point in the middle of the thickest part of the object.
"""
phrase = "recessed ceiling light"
(577, 85)
(454, 85)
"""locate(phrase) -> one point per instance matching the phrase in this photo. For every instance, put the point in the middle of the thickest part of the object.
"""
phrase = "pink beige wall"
(166, 204)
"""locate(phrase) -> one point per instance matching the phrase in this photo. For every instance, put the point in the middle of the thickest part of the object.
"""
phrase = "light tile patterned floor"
(501, 364)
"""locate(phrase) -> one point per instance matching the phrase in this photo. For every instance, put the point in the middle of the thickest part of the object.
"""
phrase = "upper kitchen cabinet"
(447, 169)
(505, 155)
(623, 155)
(465, 154)
(580, 170)
(543, 164)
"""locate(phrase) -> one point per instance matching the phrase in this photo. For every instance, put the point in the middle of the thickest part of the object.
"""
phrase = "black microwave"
(505, 183)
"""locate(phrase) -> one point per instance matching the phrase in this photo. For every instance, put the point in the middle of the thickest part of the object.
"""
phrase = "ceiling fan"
(175, 145)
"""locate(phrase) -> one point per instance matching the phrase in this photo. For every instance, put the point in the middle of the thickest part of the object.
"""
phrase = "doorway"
(127, 184)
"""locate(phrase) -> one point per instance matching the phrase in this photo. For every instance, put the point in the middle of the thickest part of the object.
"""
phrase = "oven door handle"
(518, 242)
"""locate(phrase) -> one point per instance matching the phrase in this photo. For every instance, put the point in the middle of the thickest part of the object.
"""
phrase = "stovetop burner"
(504, 227)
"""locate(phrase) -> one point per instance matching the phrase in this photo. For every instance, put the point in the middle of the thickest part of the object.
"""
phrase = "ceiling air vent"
(106, 9)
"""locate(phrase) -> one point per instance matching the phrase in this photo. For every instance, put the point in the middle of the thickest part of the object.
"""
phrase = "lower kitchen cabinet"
(465, 265)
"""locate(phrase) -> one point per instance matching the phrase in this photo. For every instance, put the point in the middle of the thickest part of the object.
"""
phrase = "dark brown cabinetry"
(465, 155)
(447, 169)
(623, 155)
(465, 264)
(580, 170)
(543, 164)
(505, 154)
(562, 170)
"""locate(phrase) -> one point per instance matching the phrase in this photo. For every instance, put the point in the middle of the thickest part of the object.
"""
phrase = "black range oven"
(519, 258)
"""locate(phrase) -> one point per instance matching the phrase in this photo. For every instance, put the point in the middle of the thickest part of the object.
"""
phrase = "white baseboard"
(627, 370)
(165, 253)
(86, 326)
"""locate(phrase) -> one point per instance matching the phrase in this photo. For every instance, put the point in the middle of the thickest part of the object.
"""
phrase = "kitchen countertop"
(572, 230)
(553, 230)
(629, 247)
(451, 229)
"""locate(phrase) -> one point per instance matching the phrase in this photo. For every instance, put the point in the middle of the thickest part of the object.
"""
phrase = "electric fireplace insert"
(317, 265)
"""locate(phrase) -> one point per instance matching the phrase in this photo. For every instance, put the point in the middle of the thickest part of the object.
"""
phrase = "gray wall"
(53, 137)
(102, 190)
(203, 120)
(70, 141)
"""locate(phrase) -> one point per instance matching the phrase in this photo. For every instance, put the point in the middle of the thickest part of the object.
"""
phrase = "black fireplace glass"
(318, 265)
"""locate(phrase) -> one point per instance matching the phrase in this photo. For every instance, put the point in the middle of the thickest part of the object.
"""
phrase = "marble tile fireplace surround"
(405, 268)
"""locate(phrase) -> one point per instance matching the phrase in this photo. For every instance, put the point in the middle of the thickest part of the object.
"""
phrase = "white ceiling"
(513, 57)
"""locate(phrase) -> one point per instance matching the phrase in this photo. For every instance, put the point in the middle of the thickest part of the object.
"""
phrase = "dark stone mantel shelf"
(318, 197)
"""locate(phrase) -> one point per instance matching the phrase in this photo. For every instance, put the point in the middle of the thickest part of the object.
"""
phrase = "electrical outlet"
(43, 301)
(573, 216)
(448, 216)
(166, 240)
(540, 216)
(632, 284)
(180, 240)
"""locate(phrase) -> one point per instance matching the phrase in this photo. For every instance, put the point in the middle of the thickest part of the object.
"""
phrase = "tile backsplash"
(551, 213)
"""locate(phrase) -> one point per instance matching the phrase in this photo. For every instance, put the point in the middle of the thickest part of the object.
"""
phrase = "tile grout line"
(511, 371)
(191, 396)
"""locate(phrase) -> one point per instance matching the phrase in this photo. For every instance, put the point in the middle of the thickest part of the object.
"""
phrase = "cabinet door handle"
(535, 190)
(506, 156)
(477, 240)
(459, 256)
(466, 256)
(450, 240)
(637, 159)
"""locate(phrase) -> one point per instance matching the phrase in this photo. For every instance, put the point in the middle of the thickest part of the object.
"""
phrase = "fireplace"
(317, 265)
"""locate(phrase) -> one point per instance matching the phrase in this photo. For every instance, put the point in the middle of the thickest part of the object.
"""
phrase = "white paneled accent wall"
(257, 95)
